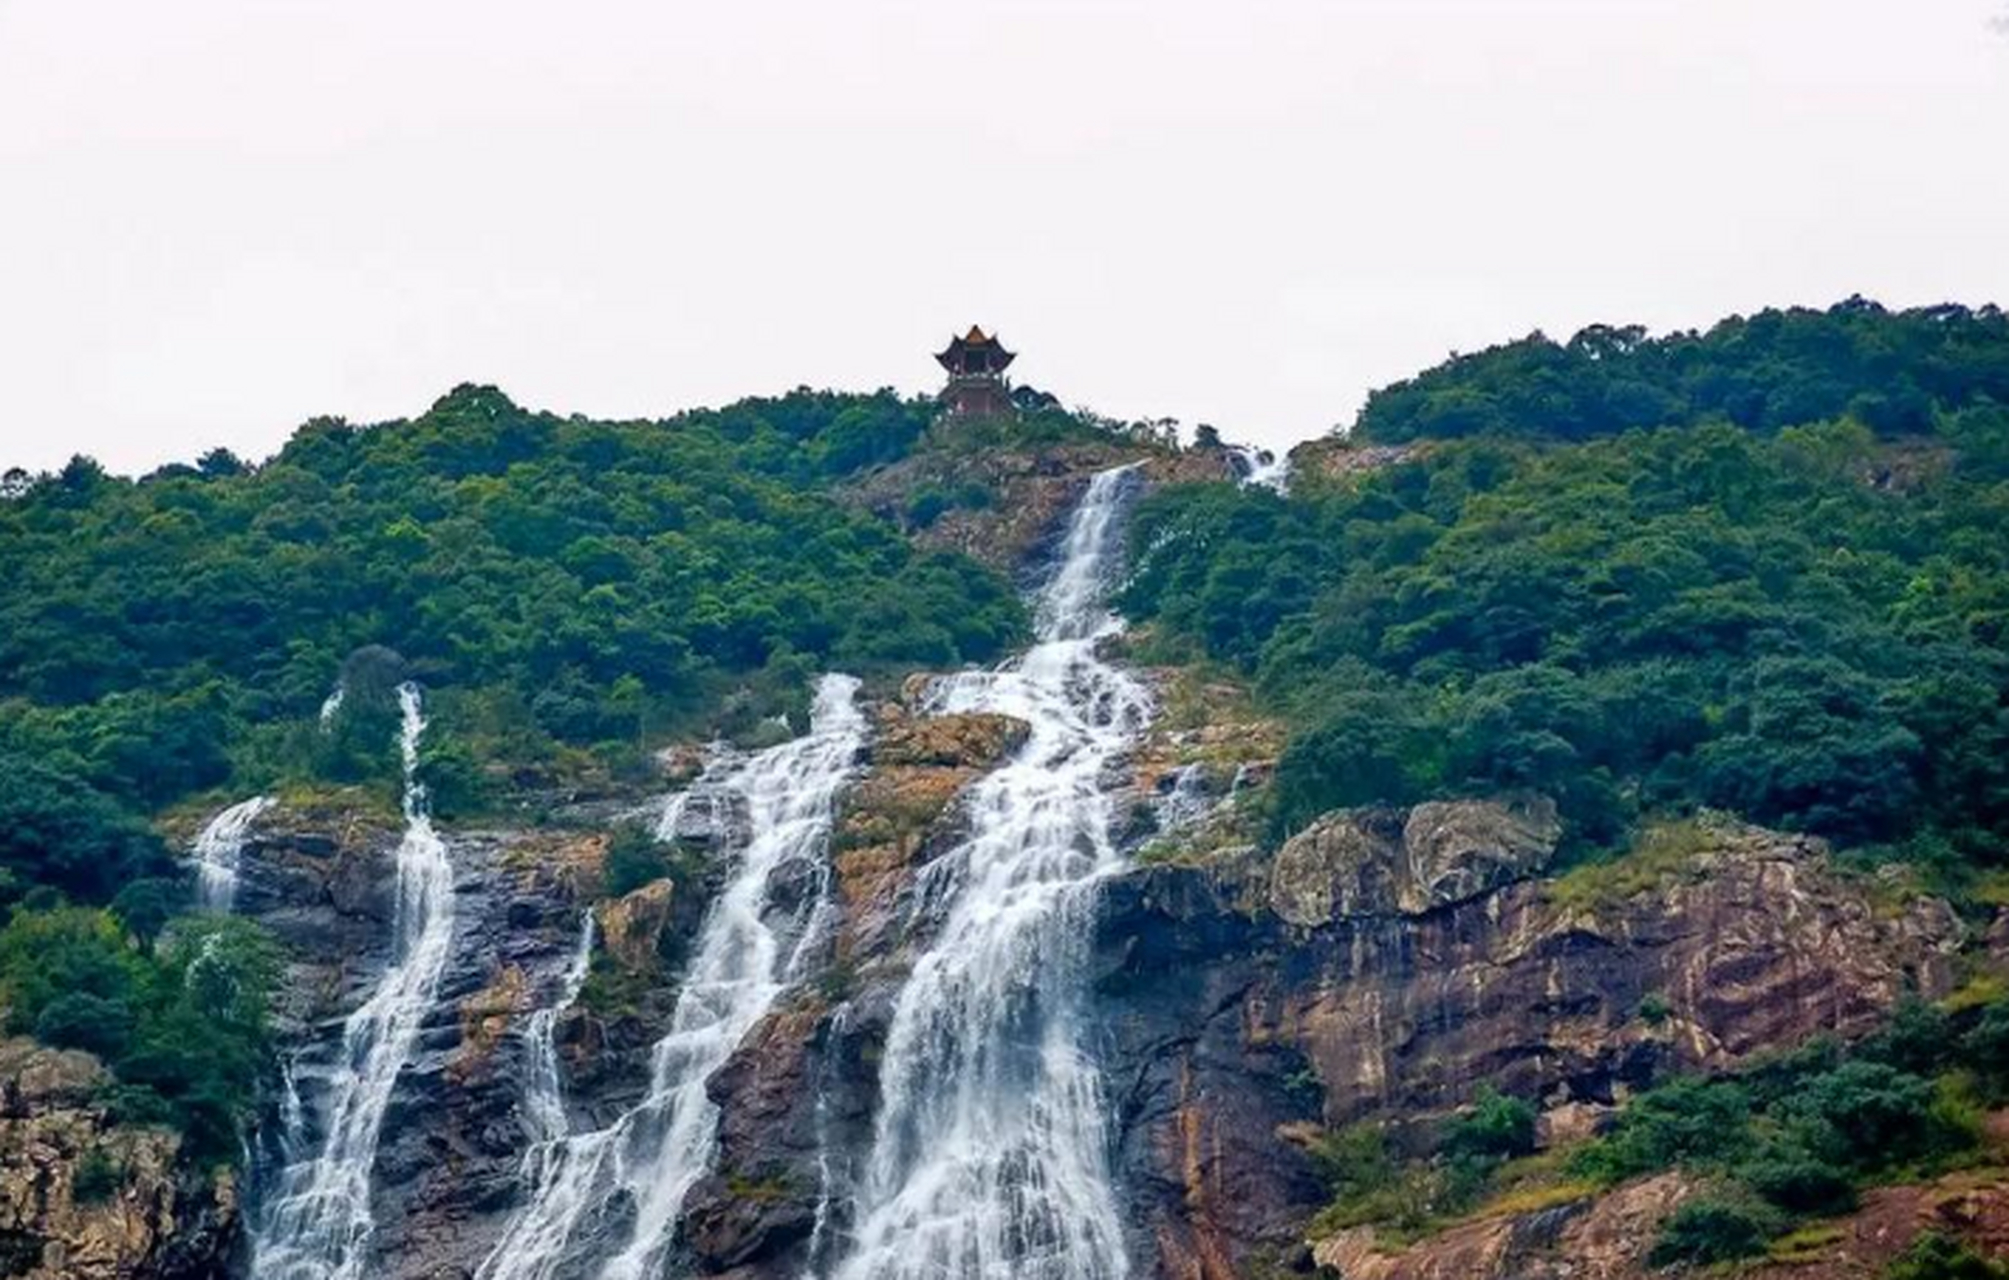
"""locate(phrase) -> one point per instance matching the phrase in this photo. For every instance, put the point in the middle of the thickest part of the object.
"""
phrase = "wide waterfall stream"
(317, 1223)
(640, 1167)
(990, 1160)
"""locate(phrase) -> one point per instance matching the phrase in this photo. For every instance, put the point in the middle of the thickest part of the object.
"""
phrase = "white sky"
(220, 217)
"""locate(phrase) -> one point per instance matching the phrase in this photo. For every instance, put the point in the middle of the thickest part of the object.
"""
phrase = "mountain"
(1559, 830)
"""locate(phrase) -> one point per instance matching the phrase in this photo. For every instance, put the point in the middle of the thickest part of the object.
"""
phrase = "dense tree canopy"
(1805, 625)
(570, 581)
(1888, 370)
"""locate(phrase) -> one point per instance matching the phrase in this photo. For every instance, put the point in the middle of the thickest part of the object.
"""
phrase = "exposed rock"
(897, 811)
(972, 740)
(632, 927)
(1338, 458)
(1587, 1239)
(1363, 862)
(1389, 989)
(147, 1216)
(453, 1137)
(1029, 491)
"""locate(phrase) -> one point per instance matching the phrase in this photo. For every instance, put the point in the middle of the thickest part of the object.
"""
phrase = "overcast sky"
(221, 217)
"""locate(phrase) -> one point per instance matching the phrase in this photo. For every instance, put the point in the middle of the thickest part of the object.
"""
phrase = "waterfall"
(1261, 468)
(332, 705)
(318, 1224)
(219, 848)
(990, 1155)
(543, 1088)
(649, 1158)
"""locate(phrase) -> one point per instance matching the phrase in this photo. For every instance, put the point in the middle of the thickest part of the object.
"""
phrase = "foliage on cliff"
(1805, 626)
(181, 1023)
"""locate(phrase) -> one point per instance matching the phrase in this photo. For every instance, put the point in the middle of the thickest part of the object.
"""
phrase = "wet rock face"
(899, 812)
(453, 1138)
(1397, 961)
(84, 1199)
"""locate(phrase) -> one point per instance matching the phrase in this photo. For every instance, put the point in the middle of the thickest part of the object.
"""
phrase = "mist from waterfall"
(219, 850)
(990, 1156)
(643, 1165)
(318, 1223)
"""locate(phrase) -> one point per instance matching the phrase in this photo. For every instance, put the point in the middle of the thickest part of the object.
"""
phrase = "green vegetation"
(1799, 1136)
(568, 592)
(1936, 1257)
(1890, 371)
(1408, 1198)
(555, 583)
(182, 1025)
(1774, 1147)
(1804, 625)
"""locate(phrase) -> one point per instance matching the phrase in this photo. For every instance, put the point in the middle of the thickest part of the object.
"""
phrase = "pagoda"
(977, 388)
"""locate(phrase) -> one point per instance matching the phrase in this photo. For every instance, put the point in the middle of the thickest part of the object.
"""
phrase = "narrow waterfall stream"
(317, 1224)
(543, 1086)
(990, 1160)
(219, 848)
(645, 1163)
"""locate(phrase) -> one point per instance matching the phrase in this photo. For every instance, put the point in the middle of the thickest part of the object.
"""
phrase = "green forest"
(568, 592)
(1759, 569)
(1782, 602)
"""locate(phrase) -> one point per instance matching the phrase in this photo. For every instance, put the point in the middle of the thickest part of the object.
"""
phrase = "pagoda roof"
(975, 340)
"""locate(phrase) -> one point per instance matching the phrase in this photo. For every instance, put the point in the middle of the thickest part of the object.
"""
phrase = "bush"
(1937, 1257)
(80, 1021)
(1866, 1116)
(1497, 1127)
(634, 858)
(1705, 1231)
(1800, 1184)
(1685, 1121)
(98, 1178)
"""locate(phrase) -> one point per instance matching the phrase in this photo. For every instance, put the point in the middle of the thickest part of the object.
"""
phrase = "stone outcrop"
(1029, 491)
(1601, 1238)
(82, 1198)
(899, 809)
(1377, 862)
(1396, 961)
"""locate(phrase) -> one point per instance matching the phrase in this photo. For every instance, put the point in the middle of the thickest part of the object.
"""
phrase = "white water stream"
(219, 849)
(318, 1223)
(645, 1163)
(990, 1159)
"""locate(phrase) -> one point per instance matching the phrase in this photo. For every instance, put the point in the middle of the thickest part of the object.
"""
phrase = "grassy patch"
(1663, 854)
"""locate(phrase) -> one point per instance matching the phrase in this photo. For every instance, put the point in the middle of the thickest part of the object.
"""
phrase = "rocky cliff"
(1387, 963)
(84, 1198)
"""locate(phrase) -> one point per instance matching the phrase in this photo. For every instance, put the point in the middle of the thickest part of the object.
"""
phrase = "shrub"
(634, 858)
(97, 1179)
(1498, 1127)
(1937, 1257)
(1685, 1121)
(1705, 1231)
(1800, 1184)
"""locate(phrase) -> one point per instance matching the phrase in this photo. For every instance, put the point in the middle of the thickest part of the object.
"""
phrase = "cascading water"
(990, 1157)
(318, 1223)
(219, 849)
(649, 1158)
(543, 1087)
(1261, 468)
